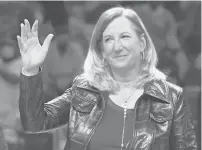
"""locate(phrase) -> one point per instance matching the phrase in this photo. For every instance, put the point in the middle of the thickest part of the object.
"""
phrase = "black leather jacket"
(161, 116)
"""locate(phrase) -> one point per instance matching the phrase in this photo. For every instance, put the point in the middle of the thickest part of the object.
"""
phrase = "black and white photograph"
(100, 75)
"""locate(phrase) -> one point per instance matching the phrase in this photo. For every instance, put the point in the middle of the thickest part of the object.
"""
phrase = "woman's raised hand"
(32, 52)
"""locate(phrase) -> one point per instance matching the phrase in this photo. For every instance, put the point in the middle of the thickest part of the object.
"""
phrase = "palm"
(32, 52)
(34, 55)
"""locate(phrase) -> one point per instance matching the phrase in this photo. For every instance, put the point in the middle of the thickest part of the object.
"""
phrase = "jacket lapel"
(157, 89)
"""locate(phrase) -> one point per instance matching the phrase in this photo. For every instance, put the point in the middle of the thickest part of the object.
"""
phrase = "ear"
(143, 42)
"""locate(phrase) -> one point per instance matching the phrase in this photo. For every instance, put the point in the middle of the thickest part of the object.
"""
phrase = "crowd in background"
(175, 28)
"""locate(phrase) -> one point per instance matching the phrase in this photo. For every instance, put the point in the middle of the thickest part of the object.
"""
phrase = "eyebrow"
(105, 36)
(125, 32)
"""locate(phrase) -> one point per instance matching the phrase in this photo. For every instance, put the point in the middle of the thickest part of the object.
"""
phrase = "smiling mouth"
(120, 56)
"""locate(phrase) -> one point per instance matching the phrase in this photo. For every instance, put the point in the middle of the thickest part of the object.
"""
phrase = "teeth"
(120, 56)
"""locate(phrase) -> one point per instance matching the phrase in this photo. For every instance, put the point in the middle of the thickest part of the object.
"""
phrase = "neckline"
(126, 84)
(117, 107)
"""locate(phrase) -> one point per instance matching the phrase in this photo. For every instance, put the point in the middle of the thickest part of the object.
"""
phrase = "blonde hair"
(95, 70)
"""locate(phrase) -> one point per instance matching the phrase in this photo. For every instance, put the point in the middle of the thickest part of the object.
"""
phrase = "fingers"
(20, 44)
(47, 42)
(35, 28)
(23, 32)
(27, 28)
(26, 31)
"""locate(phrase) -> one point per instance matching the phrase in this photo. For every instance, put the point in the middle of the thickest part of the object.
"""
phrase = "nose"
(118, 45)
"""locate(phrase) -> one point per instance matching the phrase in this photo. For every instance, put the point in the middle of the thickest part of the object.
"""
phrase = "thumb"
(47, 42)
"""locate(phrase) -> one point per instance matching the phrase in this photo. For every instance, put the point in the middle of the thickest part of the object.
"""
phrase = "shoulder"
(164, 90)
(81, 82)
(169, 97)
(168, 86)
(173, 87)
(84, 96)
(175, 92)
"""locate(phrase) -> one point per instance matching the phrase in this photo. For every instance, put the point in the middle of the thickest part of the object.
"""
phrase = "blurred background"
(174, 26)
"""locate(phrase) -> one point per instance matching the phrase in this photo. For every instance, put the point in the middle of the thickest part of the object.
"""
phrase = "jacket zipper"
(134, 133)
(93, 130)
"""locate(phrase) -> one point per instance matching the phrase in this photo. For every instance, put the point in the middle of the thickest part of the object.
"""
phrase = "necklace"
(125, 115)
(124, 122)
(123, 131)
(125, 106)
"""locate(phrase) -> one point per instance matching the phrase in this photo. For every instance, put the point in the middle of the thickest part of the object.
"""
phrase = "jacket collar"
(155, 88)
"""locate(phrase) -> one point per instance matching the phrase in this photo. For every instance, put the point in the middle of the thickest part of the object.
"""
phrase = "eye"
(107, 39)
(125, 36)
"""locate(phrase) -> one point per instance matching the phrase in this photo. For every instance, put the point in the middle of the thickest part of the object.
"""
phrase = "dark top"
(109, 133)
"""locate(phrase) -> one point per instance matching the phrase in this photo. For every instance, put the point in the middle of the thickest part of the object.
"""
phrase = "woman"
(121, 101)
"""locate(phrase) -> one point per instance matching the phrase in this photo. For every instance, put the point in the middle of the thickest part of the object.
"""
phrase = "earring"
(142, 55)
(104, 62)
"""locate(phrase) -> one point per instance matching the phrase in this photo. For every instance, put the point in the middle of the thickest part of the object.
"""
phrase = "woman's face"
(121, 44)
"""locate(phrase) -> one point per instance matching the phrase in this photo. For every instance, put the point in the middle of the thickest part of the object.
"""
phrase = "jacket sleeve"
(35, 114)
(183, 136)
